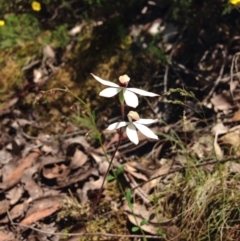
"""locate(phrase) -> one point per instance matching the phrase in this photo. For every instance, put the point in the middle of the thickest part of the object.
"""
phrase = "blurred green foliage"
(17, 30)
(23, 24)
(193, 12)
(51, 24)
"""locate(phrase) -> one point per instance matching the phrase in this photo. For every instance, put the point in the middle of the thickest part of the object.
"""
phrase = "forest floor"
(185, 186)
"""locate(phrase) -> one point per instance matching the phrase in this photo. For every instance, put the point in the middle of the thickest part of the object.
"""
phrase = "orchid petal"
(130, 98)
(146, 121)
(109, 92)
(105, 82)
(145, 131)
(142, 92)
(117, 125)
(132, 133)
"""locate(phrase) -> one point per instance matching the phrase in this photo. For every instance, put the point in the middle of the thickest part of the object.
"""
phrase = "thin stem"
(107, 172)
(123, 111)
(111, 161)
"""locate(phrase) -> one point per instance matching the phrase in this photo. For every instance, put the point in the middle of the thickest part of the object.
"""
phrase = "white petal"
(130, 98)
(105, 82)
(142, 92)
(117, 125)
(145, 130)
(145, 121)
(109, 92)
(132, 133)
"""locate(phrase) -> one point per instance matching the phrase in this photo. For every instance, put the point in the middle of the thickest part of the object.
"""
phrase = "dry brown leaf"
(20, 122)
(4, 206)
(129, 168)
(103, 167)
(154, 224)
(5, 156)
(34, 217)
(234, 167)
(97, 158)
(50, 160)
(147, 187)
(50, 191)
(77, 176)
(7, 106)
(14, 194)
(233, 85)
(5, 237)
(8, 169)
(172, 232)
(80, 140)
(222, 101)
(113, 140)
(79, 159)
(219, 129)
(4, 219)
(144, 166)
(236, 116)
(139, 213)
(57, 171)
(91, 185)
(232, 139)
(203, 147)
(43, 203)
(34, 190)
(47, 149)
(17, 211)
(14, 177)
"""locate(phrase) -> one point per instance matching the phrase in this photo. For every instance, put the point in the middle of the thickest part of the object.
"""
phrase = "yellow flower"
(234, 1)
(36, 6)
(2, 23)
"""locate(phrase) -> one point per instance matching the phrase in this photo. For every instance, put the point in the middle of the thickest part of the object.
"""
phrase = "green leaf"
(129, 198)
(119, 170)
(160, 232)
(93, 116)
(130, 205)
(135, 229)
(84, 122)
(128, 195)
(143, 222)
(110, 178)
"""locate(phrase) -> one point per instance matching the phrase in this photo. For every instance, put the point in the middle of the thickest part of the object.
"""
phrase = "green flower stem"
(121, 97)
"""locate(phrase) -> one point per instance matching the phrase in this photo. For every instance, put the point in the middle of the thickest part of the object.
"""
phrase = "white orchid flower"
(135, 123)
(129, 94)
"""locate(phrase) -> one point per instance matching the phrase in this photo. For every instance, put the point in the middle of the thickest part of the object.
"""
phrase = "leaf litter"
(180, 185)
(36, 183)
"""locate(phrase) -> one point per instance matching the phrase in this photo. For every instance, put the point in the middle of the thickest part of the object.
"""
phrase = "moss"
(11, 74)
(105, 220)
